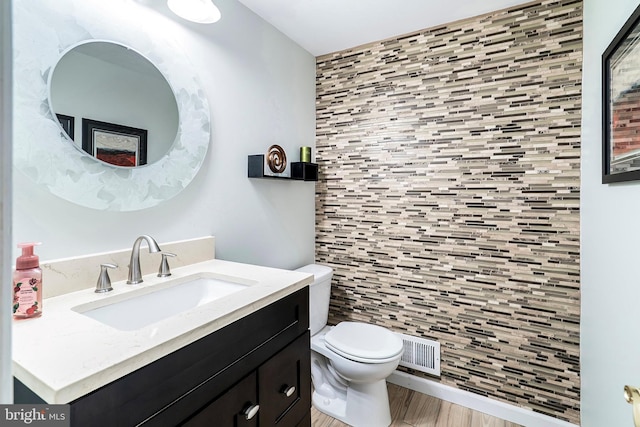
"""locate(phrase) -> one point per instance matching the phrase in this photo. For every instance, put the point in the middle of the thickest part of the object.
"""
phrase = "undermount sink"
(140, 308)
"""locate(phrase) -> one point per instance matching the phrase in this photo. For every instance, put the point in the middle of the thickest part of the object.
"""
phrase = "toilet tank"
(319, 294)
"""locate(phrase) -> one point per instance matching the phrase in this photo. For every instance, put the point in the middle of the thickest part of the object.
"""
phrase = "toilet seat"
(364, 343)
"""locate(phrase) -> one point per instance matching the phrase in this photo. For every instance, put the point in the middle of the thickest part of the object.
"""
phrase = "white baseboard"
(505, 411)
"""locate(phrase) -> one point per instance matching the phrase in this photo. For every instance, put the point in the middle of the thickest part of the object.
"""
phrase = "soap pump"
(27, 284)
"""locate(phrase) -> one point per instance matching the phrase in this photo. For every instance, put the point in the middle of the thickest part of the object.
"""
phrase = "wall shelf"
(300, 171)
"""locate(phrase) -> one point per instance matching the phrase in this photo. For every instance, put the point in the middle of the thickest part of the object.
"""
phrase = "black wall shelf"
(300, 171)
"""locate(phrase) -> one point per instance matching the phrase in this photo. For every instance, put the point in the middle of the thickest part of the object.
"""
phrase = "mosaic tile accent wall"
(448, 201)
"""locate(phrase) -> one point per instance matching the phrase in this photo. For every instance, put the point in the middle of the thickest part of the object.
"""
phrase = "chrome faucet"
(135, 275)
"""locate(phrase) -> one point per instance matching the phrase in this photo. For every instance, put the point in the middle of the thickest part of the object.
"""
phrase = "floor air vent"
(421, 354)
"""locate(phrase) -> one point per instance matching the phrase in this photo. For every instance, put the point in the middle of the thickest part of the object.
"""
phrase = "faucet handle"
(104, 282)
(164, 270)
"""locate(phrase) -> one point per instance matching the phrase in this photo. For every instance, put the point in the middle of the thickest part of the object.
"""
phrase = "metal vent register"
(421, 354)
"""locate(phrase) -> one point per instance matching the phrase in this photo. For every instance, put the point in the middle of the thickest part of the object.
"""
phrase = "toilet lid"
(363, 342)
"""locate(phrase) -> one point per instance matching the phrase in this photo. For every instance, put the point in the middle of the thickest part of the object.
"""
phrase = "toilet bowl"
(350, 361)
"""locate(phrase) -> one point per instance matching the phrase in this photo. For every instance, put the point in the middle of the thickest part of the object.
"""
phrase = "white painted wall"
(6, 382)
(610, 230)
(261, 91)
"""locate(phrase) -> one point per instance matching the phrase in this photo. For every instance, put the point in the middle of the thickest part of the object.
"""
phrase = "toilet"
(350, 361)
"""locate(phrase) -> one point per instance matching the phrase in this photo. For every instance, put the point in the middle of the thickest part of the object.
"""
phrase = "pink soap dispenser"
(27, 284)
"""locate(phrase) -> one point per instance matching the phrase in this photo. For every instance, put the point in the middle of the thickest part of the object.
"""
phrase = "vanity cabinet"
(261, 359)
(274, 395)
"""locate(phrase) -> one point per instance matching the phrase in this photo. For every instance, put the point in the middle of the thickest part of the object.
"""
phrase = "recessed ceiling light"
(200, 11)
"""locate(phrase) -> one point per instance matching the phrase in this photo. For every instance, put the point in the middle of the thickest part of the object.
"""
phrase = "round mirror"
(114, 104)
(43, 152)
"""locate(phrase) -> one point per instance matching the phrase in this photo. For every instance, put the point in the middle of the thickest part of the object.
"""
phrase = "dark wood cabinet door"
(284, 385)
(230, 409)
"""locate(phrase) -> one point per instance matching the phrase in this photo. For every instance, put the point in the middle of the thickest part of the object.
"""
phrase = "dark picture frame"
(68, 124)
(115, 144)
(621, 104)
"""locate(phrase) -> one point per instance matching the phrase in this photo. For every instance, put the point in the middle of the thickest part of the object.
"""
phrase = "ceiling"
(326, 26)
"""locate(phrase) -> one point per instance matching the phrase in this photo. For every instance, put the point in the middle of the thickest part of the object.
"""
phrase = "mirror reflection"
(114, 104)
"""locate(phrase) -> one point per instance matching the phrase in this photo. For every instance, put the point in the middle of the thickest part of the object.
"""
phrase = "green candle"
(305, 154)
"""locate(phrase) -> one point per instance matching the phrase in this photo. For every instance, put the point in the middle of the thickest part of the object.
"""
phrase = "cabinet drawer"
(284, 386)
(230, 408)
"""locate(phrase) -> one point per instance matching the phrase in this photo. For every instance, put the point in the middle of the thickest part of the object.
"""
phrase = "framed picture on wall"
(67, 123)
(621, 104)
(115, 144)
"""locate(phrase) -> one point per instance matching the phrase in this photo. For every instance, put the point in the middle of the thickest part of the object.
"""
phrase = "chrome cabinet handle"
(251, 411)
(288, 391)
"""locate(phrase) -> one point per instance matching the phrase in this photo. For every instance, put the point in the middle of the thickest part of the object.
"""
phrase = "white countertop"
(64, 355)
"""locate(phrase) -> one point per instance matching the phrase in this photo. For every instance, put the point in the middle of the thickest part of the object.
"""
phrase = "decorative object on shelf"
(299, 171)
(276, 159)
(621, 104)
(305, 154)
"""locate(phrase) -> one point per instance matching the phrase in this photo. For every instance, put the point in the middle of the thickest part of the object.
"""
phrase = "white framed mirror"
(43, 150)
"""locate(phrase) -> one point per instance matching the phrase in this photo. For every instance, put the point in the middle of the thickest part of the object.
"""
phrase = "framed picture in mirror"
(67, 123)
(621, 104)
(115, 144)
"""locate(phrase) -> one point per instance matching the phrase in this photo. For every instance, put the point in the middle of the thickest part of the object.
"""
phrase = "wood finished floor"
(412, 409)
